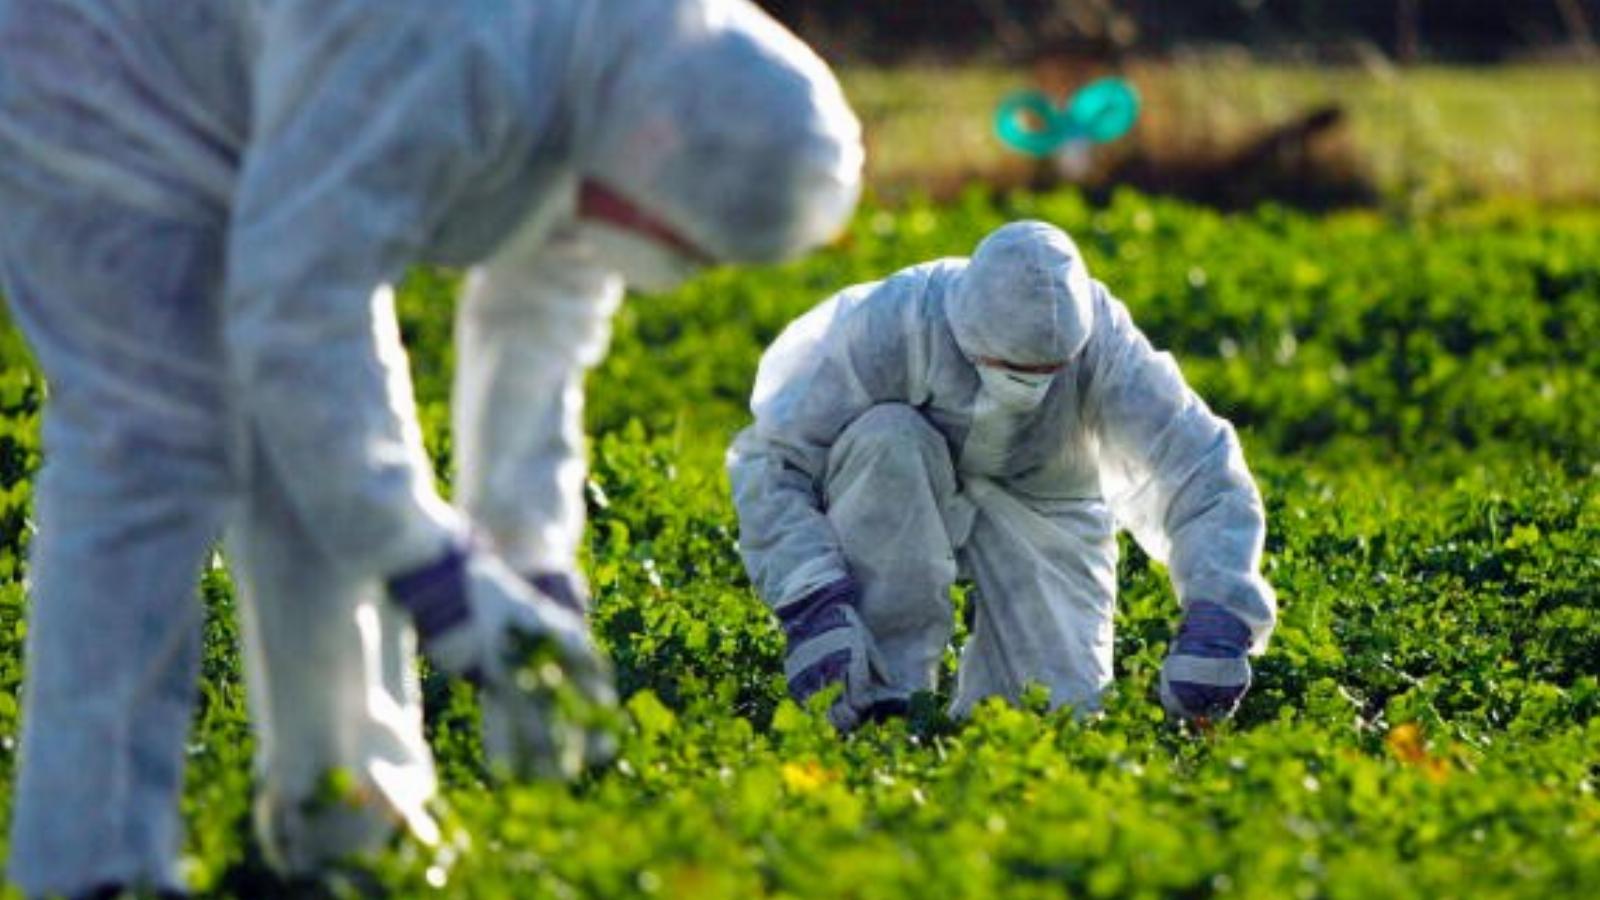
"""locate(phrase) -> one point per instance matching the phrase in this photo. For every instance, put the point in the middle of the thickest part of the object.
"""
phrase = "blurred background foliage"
(1320, 104)
(1461, 30)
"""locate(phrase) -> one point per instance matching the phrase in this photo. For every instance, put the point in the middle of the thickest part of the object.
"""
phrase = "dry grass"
(1524, 131)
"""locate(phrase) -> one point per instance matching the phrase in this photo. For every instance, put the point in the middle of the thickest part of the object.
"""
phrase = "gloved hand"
(544, 687)
(828, 644)
(1206, 673)
(563, 588)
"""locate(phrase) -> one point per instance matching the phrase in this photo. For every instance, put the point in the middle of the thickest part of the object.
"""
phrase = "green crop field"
(1420, 400)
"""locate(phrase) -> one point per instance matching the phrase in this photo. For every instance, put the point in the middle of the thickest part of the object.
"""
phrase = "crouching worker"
(204, 205)
(994, 418)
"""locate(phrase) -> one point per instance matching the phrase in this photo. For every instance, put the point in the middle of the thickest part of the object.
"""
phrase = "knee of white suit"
(891, 441)
(889, 482)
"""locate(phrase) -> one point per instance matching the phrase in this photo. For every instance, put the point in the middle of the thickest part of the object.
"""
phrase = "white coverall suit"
(201, 205)
(879, 455)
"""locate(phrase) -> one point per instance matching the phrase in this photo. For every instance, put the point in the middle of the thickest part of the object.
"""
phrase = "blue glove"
(564, 589)
(1206, 674)
(828, 644)
(478, 620)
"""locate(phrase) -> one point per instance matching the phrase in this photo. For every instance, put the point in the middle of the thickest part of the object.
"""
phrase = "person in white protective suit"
(995, 419)
(204, 202)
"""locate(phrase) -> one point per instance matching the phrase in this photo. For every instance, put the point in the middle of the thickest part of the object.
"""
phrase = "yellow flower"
(1405, 742)
(1408, 746)
(803, 778)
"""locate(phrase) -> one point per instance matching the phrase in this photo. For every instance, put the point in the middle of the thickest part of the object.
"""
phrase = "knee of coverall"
(891, 427)
(890, 438)
(889, 486)
(898, 436)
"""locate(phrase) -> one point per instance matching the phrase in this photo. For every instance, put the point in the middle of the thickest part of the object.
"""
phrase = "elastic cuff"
(1209, 631)
(562, 588)
(820, 674)
(818, 611)
(436, 594)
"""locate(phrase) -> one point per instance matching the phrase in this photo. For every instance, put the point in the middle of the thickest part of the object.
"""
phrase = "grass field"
(1417, 399)
(1531, 131)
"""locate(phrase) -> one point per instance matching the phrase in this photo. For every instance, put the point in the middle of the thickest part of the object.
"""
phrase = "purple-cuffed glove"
(828, 644)
(477, 619)
(1207, 673)
(563, 588)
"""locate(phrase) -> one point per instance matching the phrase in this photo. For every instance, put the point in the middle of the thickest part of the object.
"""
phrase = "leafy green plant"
(1417, 402)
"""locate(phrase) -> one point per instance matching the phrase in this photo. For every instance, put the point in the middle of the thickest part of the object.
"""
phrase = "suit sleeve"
(1174, 473)
(369, 120)
(532, 322)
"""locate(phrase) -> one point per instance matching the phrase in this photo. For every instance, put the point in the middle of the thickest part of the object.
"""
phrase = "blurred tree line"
(1407, 30)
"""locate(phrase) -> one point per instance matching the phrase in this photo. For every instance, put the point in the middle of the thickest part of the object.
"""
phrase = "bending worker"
(995, 418)
(204, 204)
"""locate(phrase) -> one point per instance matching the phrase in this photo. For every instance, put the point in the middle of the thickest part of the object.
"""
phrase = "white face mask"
(646, 265)
(1015, 391)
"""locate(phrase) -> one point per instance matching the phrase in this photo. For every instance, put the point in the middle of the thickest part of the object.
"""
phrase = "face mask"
(1015, 391)
(646, 265)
